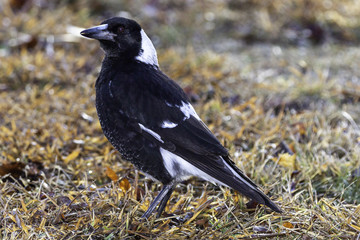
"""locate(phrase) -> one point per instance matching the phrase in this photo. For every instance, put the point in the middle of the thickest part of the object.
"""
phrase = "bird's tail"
(246, 186)
(223, 171)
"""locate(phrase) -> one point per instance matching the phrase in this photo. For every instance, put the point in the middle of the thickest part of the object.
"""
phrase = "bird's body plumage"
(148, 118)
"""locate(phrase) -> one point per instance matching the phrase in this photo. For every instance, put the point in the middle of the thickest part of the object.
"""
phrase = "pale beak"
(100, 32)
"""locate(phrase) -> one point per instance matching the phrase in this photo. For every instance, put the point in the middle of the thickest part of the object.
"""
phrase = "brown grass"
(288, 111)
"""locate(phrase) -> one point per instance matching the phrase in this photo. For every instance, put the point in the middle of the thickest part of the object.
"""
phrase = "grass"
(287, 109)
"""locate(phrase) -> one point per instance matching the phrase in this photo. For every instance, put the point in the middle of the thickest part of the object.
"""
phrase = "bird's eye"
(121, 29)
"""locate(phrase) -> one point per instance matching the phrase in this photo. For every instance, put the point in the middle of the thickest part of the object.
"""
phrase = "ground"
(276, 81)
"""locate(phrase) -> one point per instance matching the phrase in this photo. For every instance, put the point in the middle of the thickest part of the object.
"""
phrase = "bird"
(150, 121)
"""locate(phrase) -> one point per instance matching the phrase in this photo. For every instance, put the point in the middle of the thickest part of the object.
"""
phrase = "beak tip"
(84, 33)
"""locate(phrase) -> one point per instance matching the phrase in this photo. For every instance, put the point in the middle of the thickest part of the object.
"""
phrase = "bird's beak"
(100, 32)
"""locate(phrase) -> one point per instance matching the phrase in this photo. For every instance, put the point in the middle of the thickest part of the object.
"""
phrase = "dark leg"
(164, 201)
(163, 194)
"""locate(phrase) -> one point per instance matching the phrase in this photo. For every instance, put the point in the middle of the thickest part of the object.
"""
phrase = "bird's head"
(123, 38)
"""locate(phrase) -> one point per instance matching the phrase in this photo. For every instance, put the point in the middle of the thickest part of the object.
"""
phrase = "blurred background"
(276, 81)
(245, 30)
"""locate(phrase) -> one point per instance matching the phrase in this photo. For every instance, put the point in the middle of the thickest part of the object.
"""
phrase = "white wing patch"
(188, 110)
(168, 124)
(148, 52)
(181, 169)
(151, 132)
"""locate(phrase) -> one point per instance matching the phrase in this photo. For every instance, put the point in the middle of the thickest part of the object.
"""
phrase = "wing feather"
(161, 113)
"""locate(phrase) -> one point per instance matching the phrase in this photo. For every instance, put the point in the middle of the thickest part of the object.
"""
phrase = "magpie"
(148, 118)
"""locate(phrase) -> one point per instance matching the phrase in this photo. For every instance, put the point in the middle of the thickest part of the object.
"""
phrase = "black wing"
(160, 111)
(153, 100)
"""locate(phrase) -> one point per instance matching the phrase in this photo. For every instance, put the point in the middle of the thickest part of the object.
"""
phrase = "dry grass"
(289, 115)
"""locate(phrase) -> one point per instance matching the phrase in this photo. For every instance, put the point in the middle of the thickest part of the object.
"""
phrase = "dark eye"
(121, 29)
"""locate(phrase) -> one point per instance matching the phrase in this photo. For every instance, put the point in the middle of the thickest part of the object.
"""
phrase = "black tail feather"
(241, 185)
(224, 171)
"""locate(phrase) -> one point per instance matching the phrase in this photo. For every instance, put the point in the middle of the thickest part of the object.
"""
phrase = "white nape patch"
(238, 175)
(188, 110)
(151, 132)
(168, 124)
(182, 169)
(148, 52)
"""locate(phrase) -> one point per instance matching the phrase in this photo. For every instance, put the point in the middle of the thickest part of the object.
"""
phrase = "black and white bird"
(147, 117)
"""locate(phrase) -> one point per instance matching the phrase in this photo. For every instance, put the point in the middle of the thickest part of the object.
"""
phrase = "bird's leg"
(164, 201)
(163, 194)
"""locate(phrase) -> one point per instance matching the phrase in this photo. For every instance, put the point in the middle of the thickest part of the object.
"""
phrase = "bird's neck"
(124, 64)
(117, 61)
